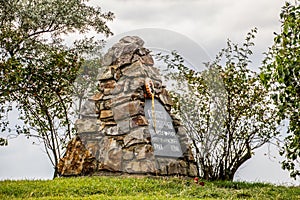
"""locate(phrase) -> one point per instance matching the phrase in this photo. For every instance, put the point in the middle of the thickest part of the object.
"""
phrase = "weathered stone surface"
(96, 97)
(125, 59)
(135, 137)
(193, 171)
(121, 99)
(127, 109)
(153, 73)
(89, 110)
(144, 152)
(132, 40)
(145, 166)
(127, 154)
(165, 97)
(124, 126)
(77, 160)
(110, 155)
(109, 84)
(92, 147)
(111, 131)
(139, 120)
(147, 60)
(105, 73)
(90, 136)
(127, 46)
(87, 125)
(177, 168)
(106, 114)
(137, 84)
(134, 70)
(107, 91)
(110, 123)
(107, 105)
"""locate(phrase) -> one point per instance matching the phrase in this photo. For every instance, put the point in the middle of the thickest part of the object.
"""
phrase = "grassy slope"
(141, 188)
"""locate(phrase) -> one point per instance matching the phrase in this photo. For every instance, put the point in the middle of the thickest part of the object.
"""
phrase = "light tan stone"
(106, 114)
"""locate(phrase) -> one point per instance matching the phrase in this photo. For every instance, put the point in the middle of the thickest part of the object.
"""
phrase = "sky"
(197, 26)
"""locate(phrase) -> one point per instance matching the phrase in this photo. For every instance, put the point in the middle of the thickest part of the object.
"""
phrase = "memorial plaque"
(163, 135)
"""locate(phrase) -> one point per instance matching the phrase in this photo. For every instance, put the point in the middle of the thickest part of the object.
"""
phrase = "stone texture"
(96, 97)
(106, 114)
(89, 110)
(139, 120)
(165, 97)
(193, 170)
(135, 137)
(110, 155)
(144, 152)
(87, 125)
(105, 73)
(113, 131)
(128, 154)
(143, 167)
(127, 109)
(132, 40)
(134, 70)
(178, 167)
(77, 160)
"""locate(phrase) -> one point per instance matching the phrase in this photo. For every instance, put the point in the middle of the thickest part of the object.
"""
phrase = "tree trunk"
(55, 174)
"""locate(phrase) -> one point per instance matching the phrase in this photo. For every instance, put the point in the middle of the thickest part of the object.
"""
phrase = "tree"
(85, 84)
(281, 75)
(37, 70)
(224, 109)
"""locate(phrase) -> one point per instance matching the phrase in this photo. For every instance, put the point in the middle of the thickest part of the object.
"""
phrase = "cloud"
(209, 23)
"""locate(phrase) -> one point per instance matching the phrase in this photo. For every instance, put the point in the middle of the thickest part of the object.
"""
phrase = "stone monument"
(127, 127)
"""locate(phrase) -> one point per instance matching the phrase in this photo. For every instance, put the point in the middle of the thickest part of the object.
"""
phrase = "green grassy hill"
(141, 188)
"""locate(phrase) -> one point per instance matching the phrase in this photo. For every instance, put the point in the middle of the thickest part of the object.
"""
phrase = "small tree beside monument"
(225, 109)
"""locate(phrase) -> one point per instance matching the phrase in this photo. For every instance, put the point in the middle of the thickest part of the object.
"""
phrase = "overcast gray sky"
(209, 23)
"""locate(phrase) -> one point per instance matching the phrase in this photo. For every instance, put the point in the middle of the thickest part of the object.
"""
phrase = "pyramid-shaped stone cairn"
(123, 130)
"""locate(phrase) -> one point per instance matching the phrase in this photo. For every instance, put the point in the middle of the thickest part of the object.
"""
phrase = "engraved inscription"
(163, 135)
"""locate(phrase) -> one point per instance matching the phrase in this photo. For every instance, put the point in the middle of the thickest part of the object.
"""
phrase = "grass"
(141, 188)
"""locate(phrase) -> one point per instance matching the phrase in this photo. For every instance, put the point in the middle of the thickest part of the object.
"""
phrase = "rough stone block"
(105, 73)
(111, 131)
(77, 160)
(139, 120)
(127, 109)
(110, 155)
(93, 147)
(144, 152)
(165, 97)
(87, 125)
(177, 168)
(193, 170)
(124, 126)
(89, 110)
(135, 137)
(127, 154)
(145, 166)
(96, 97)
(106, 114)
(134, 70)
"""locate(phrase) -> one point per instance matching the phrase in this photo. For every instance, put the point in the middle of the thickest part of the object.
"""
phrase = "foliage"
(225, 110)
(85, 84)
(141, 188)
(37, 70)
(281, 75)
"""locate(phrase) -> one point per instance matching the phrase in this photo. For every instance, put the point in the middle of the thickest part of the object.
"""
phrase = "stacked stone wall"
(113, 131)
